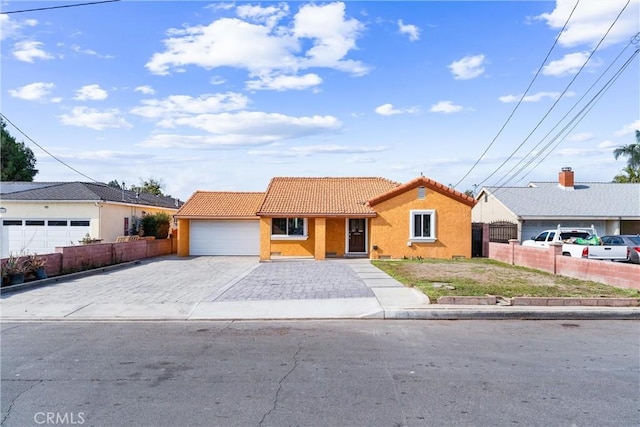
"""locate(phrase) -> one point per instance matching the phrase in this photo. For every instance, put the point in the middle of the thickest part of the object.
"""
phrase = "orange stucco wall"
(269, 246)
(183, 237)
(391, 228)
(335, 236)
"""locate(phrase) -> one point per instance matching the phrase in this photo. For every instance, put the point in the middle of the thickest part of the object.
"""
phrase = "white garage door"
(28, 236)
(224, 237)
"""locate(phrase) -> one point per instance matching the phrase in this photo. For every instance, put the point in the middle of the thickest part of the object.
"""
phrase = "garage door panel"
(224, 237)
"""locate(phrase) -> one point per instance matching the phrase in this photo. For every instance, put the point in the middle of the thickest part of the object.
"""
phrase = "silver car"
(629, 240)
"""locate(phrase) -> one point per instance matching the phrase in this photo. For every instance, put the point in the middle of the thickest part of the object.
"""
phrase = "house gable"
(448, 213)
(428, 184)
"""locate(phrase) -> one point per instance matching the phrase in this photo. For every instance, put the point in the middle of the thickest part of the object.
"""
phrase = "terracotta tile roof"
(221, 204)
(427, 183)
(323, 196)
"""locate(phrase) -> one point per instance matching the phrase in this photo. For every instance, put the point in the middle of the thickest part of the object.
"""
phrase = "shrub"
(156, 225)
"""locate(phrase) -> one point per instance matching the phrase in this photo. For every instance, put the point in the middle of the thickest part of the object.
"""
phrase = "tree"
(115, 184)
(631, 173)
(18, 161)
(151, 186)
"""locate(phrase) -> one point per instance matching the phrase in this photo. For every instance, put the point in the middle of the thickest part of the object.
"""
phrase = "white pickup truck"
(570, 236)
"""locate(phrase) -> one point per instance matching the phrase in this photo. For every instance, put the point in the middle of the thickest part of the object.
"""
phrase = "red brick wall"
(612, 273)
(501, 252)
(84, 257)
(550, 260)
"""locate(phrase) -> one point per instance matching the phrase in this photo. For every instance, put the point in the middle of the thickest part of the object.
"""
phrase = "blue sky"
(226, 95)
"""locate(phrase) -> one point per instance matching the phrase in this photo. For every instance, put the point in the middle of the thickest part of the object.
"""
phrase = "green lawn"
(480, 277)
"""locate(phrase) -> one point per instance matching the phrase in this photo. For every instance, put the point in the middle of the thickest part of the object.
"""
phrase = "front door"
(357, 235)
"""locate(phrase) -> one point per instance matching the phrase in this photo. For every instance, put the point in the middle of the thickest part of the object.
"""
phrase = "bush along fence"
(552, 261)
(72, 259)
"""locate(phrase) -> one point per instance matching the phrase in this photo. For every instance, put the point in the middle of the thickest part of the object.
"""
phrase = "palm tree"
(628, 175)
(632, 151)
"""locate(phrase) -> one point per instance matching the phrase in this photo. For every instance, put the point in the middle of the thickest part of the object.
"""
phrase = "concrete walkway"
(241, 288)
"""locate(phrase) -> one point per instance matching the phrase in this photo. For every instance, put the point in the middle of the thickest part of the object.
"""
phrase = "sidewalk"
(240, 288)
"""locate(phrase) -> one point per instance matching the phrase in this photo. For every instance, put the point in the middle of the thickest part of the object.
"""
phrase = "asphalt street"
(321, 373)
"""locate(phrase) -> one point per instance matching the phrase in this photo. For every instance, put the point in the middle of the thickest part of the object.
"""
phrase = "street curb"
(62, 278)
(523, 313)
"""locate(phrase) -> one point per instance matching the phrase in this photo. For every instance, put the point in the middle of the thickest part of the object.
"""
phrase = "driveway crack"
(13, 401)
(275, 401)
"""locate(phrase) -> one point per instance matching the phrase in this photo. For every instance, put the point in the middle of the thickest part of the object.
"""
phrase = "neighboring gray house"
(38, 216)
(611, 207)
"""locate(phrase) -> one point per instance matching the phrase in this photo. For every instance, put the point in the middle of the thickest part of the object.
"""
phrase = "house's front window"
(423, 226)
(288, 228)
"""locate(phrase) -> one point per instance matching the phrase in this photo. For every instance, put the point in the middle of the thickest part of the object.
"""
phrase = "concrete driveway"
(199, 288)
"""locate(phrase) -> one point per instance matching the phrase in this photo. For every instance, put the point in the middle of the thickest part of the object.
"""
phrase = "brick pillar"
(321, 238)
(555, 250)
(512, 247)
(485, 240)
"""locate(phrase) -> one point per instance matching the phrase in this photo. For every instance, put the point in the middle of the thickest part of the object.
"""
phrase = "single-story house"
(329, 217)
(612, 208)
(39, 216)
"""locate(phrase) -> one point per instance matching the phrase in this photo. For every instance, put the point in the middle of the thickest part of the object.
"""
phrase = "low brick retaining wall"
(70, 259)
(551, 260)
(542, 301)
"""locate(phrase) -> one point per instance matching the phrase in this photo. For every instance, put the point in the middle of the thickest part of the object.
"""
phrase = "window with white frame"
(288, 227)
(423, 226)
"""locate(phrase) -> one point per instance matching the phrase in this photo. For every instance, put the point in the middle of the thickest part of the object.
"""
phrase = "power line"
(555, 42)
(43, 149)
(504, 181)
(559, 97)
(57, 7)
(588, 108)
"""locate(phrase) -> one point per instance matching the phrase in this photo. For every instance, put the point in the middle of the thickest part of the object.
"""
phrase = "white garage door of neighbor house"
(41, 236)
(224, 237)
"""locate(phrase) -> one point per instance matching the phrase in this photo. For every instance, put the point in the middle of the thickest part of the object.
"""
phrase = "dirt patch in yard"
(480, 277)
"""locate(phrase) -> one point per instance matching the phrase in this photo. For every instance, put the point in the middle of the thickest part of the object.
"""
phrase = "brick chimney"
(565, 178)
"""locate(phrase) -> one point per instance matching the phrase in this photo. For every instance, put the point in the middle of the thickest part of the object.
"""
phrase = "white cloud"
(245, 128)
(607, 145)
(536, 97)
(10, 28)
(30, 50)
(580, 137)
(591, 20)
(628, 129)
(568, 65)
(309, 150)
(446, 107)
(94, 119)
(411, 30)
(468, 67)
(389, 110)
(32, 92)
(145, 90)
(269, 16)
(280, 83)
(91, 93)
(263, 48)
(217, 80)
(332, 35)
(176, 106)
(90, 52)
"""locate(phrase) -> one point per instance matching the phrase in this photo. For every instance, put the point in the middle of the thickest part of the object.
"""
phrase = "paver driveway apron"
(198, 288)
(162, 288)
